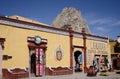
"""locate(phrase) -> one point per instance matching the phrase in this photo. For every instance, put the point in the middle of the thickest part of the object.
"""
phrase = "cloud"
(100, 25)
(100, 29)
(117, 23)
(94, 19)
(100, 21)
(106, 22)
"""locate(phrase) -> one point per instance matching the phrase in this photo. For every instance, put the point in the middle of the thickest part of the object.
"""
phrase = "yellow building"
(115, 53)
(37, 49)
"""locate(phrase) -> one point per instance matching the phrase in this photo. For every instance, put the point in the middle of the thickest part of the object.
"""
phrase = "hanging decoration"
(39, 62)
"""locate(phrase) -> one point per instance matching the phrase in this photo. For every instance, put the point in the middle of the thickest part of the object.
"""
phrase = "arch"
(78, 60)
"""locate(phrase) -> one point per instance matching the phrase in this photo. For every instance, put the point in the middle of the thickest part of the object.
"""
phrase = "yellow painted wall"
(78, 41)
(112, 44)
(53, 43)
(16, 46)
(90, 47)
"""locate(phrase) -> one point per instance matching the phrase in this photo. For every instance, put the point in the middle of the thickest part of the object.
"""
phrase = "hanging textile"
(80, 59)
(39, 62)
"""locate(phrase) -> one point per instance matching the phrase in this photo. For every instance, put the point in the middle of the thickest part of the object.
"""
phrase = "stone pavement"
(112, 75)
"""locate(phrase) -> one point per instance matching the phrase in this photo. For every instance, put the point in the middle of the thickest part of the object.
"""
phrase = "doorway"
(37, 62)
(33, 64)
(115, 64)
(78, 61)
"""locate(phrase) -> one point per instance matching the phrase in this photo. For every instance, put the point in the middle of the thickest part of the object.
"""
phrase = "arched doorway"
(78, 61)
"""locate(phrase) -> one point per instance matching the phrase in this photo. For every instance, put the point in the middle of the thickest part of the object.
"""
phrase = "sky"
(102, 16)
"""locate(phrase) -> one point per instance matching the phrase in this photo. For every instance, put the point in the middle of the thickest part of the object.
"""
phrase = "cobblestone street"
(112, 75)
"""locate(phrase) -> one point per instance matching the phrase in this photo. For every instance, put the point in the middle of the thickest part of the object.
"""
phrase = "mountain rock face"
(71, 16)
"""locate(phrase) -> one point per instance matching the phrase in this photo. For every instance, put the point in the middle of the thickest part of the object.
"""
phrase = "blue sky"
(102, 16)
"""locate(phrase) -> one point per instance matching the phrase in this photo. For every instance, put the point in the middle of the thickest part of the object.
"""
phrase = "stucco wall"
(16, 46)
(100, 48)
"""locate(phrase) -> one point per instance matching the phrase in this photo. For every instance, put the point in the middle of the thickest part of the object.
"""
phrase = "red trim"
(58, 71)
(45, 26)
(75, 46)
(29, 23)
(84, 44)
(15, 73)
(71, 48)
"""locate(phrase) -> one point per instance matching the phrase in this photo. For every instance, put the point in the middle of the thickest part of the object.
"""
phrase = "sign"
(37, 40)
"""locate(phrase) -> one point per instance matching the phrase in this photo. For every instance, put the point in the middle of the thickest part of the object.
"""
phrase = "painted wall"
(78, 41)
(96, 48)
(16, 45)
(112, 44)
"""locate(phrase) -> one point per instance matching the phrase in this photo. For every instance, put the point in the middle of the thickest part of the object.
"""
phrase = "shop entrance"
(37, 62)
(37, 47)
(32, 62)
(115, 64)
(115, 61)
(78, 61)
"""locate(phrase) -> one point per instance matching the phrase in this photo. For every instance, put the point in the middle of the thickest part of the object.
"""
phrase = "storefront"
(115, 53)
(100, 56)
(38, 50)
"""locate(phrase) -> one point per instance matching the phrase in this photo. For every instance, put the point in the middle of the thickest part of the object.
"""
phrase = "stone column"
(84, 44)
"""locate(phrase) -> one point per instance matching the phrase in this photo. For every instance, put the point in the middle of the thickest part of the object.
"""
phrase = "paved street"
(112, 75)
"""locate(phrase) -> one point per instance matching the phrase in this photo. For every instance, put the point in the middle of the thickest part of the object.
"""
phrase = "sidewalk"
(112, 75)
